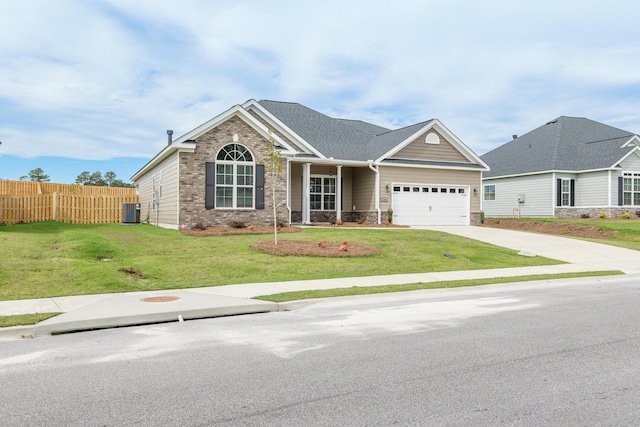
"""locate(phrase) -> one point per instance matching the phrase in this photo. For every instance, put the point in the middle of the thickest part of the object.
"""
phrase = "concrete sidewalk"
(124, 309)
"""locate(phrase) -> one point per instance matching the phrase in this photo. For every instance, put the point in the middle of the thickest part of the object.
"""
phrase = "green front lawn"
(55, 259)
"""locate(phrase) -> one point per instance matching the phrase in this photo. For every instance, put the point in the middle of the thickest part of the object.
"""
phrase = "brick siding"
(192, 179)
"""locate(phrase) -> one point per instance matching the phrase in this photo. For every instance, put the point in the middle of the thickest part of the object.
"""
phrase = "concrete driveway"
(566, 249)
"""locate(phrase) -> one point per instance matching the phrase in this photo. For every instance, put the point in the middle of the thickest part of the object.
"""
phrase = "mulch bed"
(296, 247)
(558, 228)
(315, 249)
(229, 231)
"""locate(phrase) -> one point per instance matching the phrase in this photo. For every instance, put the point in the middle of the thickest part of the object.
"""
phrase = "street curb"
(17, 332)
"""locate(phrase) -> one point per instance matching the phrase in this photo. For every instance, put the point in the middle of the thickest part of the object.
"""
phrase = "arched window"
(234, 177)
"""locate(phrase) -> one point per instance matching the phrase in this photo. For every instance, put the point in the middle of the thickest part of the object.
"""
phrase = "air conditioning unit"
(131, 213)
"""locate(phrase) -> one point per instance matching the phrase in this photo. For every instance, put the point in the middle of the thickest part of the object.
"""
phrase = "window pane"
(329, 202)
(224, 174)
(626, 199)
(316, 201)
(626, 185)
(636, 199)
(224, 197)
(489, 192)
(245, 175)
(316, 185)
(235, 153)
(565, 199)
(245, 197)
(330, 185)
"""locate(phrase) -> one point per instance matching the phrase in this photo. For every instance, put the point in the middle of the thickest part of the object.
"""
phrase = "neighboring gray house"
(335, 169)
(566, 168)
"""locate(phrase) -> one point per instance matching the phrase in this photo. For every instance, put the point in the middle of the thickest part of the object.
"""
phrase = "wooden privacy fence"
(83, 209)
(23, 188)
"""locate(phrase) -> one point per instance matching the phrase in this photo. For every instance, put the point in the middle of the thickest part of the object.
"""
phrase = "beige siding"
(364, 181)
(390, 175)
(418, 149)
(296, 184)
(167, 213)
(296, 187)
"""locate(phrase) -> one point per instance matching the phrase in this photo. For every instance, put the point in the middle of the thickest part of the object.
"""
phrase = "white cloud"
(106, 79)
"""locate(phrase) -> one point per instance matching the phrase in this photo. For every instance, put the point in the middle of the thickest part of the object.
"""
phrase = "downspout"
(554, 191)
(377, 190)
(609, 195)
(289, 189)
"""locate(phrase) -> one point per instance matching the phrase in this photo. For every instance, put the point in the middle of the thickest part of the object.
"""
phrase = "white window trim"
(235, 186)
(322, 193)
(563, 192)
(484, 192)
(631, 176)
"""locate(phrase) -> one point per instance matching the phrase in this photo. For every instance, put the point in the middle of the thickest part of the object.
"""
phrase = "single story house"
(570, 167)
(333, 170)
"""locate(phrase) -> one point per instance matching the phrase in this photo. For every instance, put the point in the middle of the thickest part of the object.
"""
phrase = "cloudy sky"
(92, 85)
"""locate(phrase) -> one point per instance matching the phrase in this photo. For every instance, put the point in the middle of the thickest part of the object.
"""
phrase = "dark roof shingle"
(566, 143)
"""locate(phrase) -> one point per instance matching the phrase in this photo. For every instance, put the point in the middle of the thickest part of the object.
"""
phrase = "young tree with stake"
(274, 165)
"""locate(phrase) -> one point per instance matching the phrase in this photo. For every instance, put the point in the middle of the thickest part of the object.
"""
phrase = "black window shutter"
(559, 192)
(210, 185)
(620, 187)
(259, 186)
(342, 193)
(572, 195)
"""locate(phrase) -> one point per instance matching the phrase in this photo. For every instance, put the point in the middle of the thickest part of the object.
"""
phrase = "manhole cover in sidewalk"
(160, 299)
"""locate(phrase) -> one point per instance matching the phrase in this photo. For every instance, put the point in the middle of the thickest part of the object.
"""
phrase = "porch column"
(339, 193)
(306, 194)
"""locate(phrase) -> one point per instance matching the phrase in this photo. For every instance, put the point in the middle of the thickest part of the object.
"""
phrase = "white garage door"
(430, 204)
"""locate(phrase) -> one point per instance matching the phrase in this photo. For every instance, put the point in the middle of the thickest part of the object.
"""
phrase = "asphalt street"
(548, 353)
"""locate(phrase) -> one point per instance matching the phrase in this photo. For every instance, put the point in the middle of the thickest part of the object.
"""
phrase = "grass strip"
(25, 319)
(367, 290)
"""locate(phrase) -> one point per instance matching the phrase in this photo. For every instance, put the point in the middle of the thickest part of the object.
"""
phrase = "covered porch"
(330, 192)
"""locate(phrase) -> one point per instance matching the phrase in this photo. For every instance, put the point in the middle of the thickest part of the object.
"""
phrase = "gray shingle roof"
(333, 138)
(339, 138)
(566, 143)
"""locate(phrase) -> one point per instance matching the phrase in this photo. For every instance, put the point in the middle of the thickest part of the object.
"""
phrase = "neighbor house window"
(234, 177)
(631, 189)
(323, 193)
(489, 192)
(565, 192)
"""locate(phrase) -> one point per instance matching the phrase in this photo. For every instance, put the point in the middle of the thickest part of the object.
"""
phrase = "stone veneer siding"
(347, 216)
(594, 212)
(192, 179)
(357, 216)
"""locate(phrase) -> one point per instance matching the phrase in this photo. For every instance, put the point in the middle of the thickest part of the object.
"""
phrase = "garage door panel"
(430, 207)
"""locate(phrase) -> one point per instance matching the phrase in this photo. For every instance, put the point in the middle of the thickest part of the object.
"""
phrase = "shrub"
(626, 215)
(585, 215)
(638, 213)
(390, 215)
(481, 217)
(237, 224)
(199, 226)
(602, 215)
